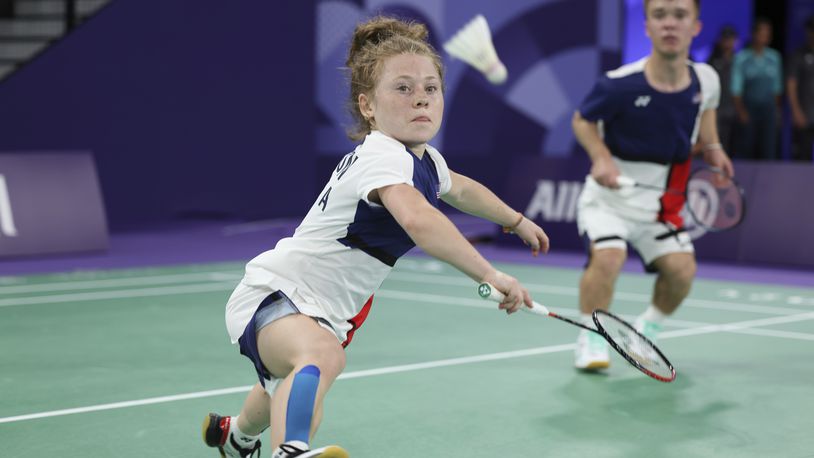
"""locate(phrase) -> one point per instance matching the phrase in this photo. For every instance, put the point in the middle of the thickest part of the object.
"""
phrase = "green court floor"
(126, 363)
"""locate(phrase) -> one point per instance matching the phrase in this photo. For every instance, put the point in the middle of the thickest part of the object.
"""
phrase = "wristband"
(712, 146)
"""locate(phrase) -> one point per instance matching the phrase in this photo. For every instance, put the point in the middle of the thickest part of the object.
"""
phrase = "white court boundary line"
(223, 281)
(71, 285)
(408, 368)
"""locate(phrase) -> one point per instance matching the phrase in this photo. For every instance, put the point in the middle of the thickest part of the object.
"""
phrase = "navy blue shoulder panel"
(374, 230)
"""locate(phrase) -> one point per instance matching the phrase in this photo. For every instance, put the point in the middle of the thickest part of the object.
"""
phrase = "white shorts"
(246, 299)
(607, 228)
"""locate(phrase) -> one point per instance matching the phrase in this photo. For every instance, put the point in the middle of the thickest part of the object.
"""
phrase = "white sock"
(653, 315)
(240, 436)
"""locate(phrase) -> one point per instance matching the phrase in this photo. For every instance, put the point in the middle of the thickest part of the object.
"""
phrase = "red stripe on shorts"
(357, 321)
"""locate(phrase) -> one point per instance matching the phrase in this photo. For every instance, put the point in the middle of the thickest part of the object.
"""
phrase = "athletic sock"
(653, 315)
(301, 404)
(242, 438)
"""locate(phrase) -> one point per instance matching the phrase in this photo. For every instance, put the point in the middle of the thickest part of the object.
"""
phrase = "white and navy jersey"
(346, 244)
(650, 135)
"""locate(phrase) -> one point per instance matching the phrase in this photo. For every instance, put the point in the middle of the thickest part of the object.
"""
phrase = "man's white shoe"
(300, 450)
(649, 329)
(591, 352)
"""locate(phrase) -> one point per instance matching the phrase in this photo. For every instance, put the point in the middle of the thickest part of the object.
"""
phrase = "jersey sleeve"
(777, 82)
(384, 168)
(736, 85)
(600, 102)
(710, 86)
(444, 179)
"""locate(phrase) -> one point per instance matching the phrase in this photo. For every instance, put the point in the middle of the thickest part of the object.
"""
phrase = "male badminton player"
(644, 120)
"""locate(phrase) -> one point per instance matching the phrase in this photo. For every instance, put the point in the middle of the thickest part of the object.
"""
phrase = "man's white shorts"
(607, 227)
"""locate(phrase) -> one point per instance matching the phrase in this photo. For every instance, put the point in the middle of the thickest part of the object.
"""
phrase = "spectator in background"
(723, 54)
(800, 85)
(756, 88)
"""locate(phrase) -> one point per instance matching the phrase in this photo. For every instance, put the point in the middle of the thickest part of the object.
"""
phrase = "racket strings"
(715, 201)
(634, 346)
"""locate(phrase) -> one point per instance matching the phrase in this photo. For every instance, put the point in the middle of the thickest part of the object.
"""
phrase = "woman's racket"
(637, 349)
(714, 200)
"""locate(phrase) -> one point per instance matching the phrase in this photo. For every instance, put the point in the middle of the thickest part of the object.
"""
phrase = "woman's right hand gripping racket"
(714, 200)
(637, 349)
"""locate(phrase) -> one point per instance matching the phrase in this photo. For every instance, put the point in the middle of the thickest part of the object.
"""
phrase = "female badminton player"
(300, 303)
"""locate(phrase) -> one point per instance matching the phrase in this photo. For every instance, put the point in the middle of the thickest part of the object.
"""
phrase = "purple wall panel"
(781, 223)
(50, 203)
(191, 107)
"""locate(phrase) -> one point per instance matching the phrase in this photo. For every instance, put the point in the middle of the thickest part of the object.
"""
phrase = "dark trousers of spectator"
(758, 138)
(802, 143)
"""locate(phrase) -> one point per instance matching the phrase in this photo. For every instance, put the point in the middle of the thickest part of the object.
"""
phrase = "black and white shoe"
(217, 433)
(300, 450)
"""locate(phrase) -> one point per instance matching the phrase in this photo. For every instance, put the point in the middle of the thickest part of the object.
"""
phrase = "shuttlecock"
(473, 45)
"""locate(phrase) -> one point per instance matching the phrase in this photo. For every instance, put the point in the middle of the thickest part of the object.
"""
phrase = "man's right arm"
(603, 170)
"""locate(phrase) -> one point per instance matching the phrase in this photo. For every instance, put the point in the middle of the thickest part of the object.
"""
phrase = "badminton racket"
(637, 349)
(714, 200)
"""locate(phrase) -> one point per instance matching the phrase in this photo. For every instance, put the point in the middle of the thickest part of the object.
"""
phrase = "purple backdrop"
(50, 203)
(191, 107)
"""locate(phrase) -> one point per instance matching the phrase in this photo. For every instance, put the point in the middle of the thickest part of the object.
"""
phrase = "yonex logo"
(484, 290)
(642, 101)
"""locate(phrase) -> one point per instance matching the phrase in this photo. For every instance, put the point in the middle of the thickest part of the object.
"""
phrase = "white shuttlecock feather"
(473, 45)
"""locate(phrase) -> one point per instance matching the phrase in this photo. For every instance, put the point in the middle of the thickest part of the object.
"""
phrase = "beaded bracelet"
(511, 228)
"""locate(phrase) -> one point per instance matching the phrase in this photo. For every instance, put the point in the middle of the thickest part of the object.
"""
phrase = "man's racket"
(637, 349)
(714, 200)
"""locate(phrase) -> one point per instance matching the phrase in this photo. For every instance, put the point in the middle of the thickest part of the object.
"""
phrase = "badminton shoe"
(591, 352)
(649, 329)
(217, 433)
(297, 449)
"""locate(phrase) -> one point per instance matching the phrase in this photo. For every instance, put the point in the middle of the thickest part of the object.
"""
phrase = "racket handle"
(625, 181)
(487, 291)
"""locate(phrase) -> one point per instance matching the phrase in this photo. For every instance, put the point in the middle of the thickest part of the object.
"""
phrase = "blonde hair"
(374, 41)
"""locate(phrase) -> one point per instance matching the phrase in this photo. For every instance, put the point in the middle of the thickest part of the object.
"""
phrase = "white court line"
(118, 282)
(572, 291)
(118, 294)
(480, 303)
(396, 275)
(226, 286)
(405, 368)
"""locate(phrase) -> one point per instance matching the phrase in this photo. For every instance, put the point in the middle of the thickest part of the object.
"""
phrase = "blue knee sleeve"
(301, 404)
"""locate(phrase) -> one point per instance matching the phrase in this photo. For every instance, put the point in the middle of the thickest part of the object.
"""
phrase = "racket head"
(637, 349)
(715, 201)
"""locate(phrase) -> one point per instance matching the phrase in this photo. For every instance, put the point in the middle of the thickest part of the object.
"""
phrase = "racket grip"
(487, 291)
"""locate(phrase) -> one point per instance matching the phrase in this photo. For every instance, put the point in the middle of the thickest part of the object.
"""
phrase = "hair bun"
(382, 28)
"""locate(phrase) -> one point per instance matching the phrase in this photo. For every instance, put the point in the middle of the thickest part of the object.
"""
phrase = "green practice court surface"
(126, 363)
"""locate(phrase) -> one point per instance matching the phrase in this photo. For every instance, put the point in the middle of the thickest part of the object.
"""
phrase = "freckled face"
(407, 102)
